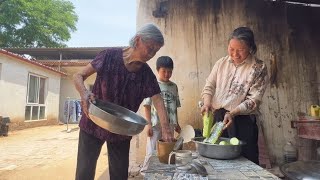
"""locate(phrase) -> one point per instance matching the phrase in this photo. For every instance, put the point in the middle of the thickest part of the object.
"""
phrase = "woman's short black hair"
(164, 62)
(245, 34)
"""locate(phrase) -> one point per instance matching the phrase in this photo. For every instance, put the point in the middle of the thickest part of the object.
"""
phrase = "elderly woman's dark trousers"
(245, 128)
(89, 148)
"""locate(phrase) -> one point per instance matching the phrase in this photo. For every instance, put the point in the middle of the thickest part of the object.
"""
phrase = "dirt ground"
(49, 153)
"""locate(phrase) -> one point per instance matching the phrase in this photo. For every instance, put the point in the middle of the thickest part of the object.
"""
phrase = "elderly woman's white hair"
(148, 33)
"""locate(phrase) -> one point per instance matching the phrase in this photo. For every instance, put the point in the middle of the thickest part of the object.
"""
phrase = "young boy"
(169, 93)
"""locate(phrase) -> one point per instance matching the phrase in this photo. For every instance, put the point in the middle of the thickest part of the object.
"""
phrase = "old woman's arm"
(78, 79)
(167, 135)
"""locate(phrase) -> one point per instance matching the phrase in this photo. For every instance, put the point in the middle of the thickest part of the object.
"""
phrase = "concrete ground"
(50, 153)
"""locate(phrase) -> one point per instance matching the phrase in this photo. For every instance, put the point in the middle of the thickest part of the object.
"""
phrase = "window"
(35, 109)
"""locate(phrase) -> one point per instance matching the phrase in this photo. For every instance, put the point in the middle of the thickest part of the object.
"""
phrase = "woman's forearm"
(159, 105)
(207, 99)
(79, 84)
(80, 77)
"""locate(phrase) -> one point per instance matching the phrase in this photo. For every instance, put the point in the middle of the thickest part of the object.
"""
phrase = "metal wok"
(116, 119)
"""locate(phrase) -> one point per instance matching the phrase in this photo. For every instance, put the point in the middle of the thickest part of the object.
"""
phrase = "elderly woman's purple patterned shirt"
(114, 83)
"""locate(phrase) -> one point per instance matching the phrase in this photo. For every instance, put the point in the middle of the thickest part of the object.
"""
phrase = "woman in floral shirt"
(234, 90)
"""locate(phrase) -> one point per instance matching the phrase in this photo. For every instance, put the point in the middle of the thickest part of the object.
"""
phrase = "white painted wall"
(13, 89)
(68, 89)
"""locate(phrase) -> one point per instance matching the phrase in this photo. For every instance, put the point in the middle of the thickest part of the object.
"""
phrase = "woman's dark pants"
(89, 150)
(245, 128)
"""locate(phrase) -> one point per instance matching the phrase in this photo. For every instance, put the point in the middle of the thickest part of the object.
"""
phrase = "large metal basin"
(216, 151)
(116, 119)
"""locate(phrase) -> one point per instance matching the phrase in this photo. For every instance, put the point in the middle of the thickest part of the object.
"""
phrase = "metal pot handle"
(169, 159)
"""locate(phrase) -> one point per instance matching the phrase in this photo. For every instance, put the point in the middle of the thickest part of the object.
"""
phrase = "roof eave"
(16, 56)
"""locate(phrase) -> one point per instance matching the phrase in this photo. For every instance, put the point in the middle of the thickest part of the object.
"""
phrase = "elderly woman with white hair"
(123, 78)
(234, 90)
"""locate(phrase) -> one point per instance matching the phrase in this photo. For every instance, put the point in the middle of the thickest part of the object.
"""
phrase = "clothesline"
(68, 98)
(72, 110)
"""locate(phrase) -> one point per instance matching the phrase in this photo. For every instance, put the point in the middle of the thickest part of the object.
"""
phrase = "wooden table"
(308, 131)
(307, 127)
(240, 168)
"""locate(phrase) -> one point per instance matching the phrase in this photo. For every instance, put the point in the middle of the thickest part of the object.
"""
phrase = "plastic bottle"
(314, 110)
(290, 153)
(215, 133)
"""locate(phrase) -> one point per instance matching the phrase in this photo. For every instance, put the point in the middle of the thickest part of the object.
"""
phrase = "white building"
(29, 91)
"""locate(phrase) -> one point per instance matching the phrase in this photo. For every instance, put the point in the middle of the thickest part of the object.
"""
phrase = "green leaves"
(36, 23)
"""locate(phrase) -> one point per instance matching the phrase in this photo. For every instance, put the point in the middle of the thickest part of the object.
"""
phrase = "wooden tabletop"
(307, 127)
(240, 168)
